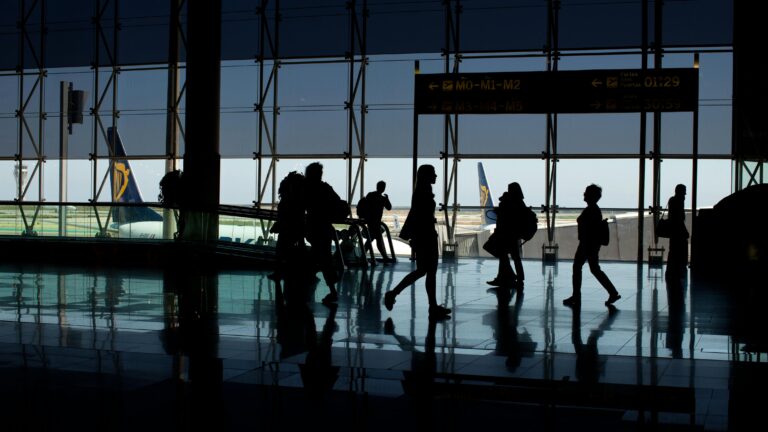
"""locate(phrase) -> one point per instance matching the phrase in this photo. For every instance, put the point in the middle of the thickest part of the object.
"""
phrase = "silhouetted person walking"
(375, 203)
(589, 247)
(419, 228)
(509, 218)
(173, 194)
(678, 236)
(290, 227)
(319, 199)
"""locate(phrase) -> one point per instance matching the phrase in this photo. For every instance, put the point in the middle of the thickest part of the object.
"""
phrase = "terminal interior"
(107, 311)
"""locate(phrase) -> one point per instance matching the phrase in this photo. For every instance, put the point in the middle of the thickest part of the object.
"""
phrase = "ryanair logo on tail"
(484, 194)
(120, 180)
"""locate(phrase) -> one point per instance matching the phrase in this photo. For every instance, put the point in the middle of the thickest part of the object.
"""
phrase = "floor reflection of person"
(588, 364)
(676, 288)
(318, 373)
(509, 342)
(419, 382)
(370, 295)
(194, 333)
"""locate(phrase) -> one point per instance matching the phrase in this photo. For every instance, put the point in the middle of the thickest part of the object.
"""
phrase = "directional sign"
(589, 91)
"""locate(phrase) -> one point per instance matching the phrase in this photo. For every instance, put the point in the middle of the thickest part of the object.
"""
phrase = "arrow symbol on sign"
(433, 85)
(596, 105)
(596, 82)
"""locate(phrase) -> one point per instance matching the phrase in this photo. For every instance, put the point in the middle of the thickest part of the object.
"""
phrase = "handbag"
(406, 232)
(495, 245)
(663, 227)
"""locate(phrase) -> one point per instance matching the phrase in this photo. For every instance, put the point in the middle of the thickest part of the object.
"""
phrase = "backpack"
(605, 233)
(363, 210)
(340, 211)
(529, 226)
(171, 189)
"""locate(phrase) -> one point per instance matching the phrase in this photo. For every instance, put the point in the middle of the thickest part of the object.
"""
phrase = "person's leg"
(578, 262)
(431, 286)
(375, 231)
(429, 264)
(367, 236)
(677, 258)
(518, 262)
(408, 280)
(436, 311)
(594, 267)
(505, 274)
(321, 251)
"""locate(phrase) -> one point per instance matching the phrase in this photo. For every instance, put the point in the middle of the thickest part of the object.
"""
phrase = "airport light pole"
(64, 89)
(71, 111)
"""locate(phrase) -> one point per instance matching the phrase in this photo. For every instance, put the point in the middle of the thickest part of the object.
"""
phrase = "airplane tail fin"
(124, 186)
(488, 215)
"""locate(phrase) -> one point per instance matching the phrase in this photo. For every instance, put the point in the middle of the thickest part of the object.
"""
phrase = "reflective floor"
(127, 345)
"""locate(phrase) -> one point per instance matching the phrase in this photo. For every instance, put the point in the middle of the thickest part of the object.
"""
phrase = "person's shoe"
(572, 301)
(389, 300)
(389, 327)
(330, 299)
(519, 285)
(612, 299)
(438, 312)
(502, 282)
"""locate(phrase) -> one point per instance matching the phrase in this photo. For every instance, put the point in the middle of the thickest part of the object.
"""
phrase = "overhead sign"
(588, 91)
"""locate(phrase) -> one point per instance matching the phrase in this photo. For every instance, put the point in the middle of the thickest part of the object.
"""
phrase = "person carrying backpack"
(510, 223)
(591, 233)
(319, 201)
(371, 210)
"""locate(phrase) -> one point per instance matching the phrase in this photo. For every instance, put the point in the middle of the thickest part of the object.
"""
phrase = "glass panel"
(238, 135)
(312, 132)
(238, 181)
(617, 177)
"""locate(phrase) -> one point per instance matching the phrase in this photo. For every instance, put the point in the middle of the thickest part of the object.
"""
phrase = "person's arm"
(387, 204)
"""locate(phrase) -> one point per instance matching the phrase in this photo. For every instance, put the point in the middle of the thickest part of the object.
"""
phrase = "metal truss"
(101, 91)
(655, 154)
(450, 153)
(552, 51)
(355, 103)
(105, 48)
(267, 121)
(30, 131)
(643, 144)
(174, 127)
